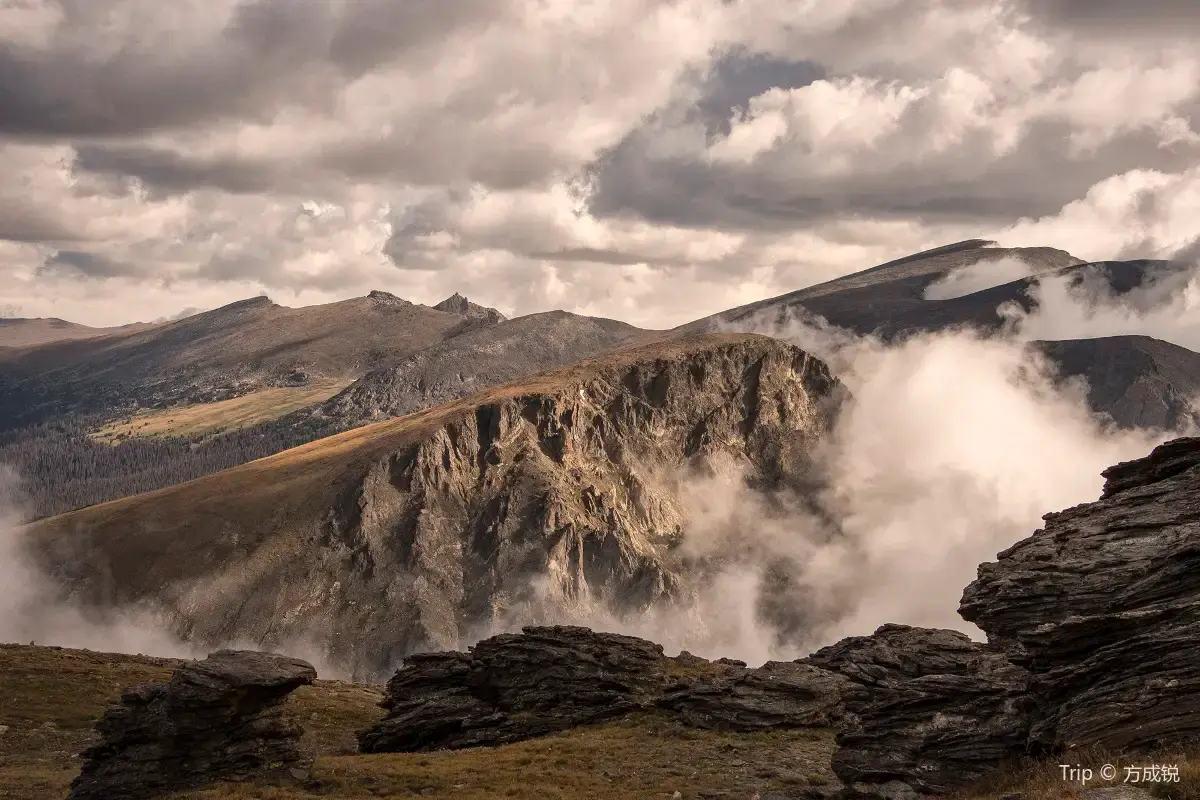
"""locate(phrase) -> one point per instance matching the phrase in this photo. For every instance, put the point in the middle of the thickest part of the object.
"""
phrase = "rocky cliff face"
(554, 502)
(536, 502)
(1103, 607)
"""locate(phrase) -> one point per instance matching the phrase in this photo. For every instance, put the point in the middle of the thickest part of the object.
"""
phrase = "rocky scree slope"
(533, 501)
(471, 361)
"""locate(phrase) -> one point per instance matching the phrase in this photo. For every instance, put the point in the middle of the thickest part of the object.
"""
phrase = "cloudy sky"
(649, 160)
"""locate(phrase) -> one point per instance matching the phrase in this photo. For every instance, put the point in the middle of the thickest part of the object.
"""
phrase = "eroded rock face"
(519, 686)
(562, 498)
(1103, 607)
(218, 719)
(730, 696)
(932, 711)
(516, 686)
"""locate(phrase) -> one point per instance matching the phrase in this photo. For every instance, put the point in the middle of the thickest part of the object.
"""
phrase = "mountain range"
(264, 473)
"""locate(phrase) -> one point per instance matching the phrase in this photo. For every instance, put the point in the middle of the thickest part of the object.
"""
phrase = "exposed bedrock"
(1102, 605)
(222, 718)
(518, 686)
(931, 710)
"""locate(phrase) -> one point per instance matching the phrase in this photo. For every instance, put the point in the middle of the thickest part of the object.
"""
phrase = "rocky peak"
(1165, 461)
(458, 304)
(386, 298)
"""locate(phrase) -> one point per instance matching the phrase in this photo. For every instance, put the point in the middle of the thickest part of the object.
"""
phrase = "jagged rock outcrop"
(457, 304)
(518, 686)
(1103, 606)
(932, 711)
(218, 719)
(727, 695)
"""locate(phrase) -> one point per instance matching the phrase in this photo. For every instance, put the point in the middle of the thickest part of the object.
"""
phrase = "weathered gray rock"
(779, 694)
(933, 711)
(519, 686)
(218, 719)
(515, 686)
(1103, 607)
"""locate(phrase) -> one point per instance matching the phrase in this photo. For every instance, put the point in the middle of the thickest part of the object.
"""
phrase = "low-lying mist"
(953, 447)
(34, 611)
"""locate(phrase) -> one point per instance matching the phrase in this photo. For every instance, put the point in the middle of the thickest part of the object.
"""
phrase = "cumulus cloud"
(648, 161)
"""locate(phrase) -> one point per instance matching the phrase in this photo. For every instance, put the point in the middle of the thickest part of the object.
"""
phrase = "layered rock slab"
(1102, 605)
(519, 686)
(222, 718)
(931, 710)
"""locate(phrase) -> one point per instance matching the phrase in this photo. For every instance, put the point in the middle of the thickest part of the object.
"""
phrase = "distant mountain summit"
(21, 332)
(457, 304)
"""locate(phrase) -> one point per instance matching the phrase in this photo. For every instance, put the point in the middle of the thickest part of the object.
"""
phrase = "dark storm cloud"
(79, 262)
(269, 54)
(168, 172)
(20, 222)
(738, 77)
(968, 184)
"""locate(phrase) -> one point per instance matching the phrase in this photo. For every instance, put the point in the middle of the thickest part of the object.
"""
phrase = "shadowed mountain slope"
(555, 491)
(215, 355)
(890, 298)
(1136, 380)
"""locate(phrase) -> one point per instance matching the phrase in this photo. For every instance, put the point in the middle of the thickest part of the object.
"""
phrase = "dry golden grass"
(51, 699)
(1044, 780)
(204, 418)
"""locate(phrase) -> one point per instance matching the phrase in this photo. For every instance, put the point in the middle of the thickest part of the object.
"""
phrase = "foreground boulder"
(726, 695)
(515, 686)
(217, 719)
(518, 686)
(1103, 607)
(932, 711)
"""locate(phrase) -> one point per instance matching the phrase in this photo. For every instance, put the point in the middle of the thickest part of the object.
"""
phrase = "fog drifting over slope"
(1166, 306)
(952, 449)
